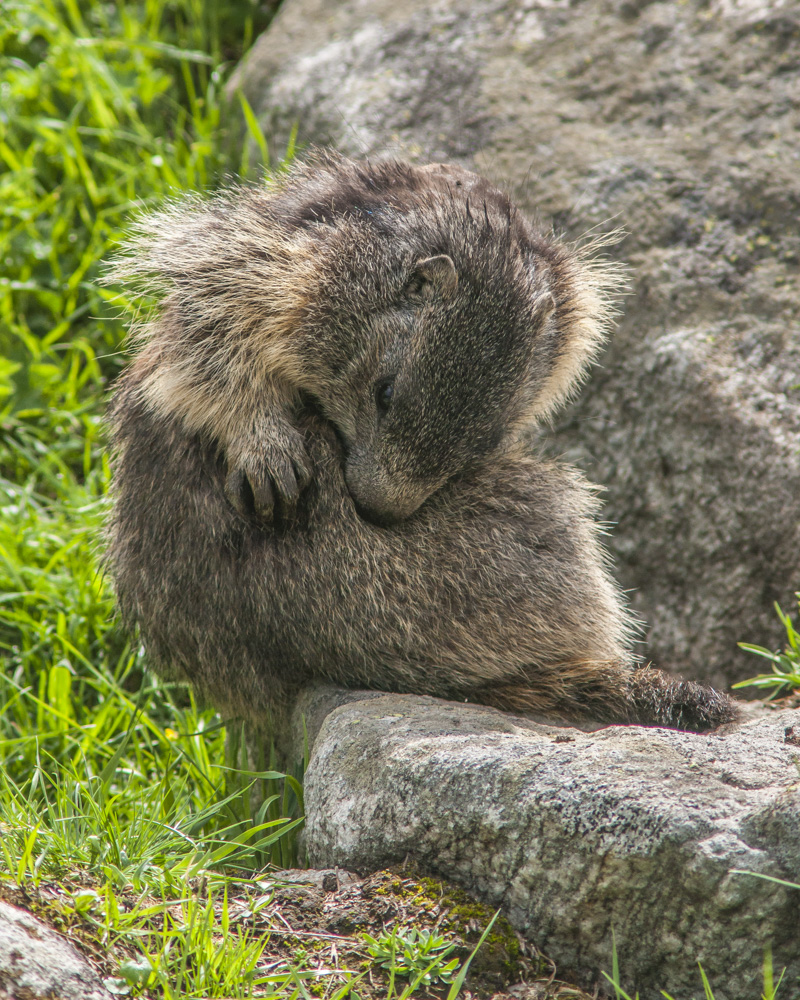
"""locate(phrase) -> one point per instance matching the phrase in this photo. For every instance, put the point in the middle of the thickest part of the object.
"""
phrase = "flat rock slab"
(37, 962)
(576, 835)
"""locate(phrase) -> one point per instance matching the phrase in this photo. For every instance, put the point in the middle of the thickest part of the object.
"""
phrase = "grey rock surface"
(574, 834)
(679, 123)
(37, 962)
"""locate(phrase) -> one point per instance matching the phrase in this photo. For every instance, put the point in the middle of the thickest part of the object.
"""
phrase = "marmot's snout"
(379, 497)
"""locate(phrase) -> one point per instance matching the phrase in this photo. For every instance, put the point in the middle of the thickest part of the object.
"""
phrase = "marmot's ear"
(433, 276)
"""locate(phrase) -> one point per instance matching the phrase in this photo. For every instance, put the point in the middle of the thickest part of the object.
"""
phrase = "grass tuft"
(785, 676)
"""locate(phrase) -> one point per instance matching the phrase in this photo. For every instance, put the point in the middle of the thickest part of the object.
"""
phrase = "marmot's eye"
(384, 392)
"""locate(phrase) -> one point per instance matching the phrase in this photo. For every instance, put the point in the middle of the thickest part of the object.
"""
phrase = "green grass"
(111, 783)
(785, 675)
(770, 987)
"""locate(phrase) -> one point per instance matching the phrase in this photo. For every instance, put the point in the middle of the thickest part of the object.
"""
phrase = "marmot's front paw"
(267, 481)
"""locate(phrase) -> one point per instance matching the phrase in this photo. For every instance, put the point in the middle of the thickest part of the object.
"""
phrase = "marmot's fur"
(320, 470)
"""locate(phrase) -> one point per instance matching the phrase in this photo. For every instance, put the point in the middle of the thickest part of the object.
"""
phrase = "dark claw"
(263, 497)
(239, 492)
(285, 484)
(303, 473)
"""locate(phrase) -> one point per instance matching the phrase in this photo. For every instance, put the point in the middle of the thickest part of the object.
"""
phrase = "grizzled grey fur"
(320, 470)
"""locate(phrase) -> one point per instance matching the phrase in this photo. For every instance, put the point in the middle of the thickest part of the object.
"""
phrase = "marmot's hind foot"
(658, 699)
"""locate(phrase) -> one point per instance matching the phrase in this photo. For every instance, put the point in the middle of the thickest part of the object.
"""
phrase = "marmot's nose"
(377, 499)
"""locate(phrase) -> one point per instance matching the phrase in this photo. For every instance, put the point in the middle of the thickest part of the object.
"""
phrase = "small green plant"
(195, 955)
(421, 958)
(785, 676)
(411, 953)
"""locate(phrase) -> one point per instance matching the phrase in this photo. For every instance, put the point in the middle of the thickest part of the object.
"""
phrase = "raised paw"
(266, 480)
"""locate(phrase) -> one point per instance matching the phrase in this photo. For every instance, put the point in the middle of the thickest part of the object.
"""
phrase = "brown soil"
(317, 921)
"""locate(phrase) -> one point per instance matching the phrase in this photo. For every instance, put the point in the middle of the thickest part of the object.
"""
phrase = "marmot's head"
(444, 322)
(421, 312)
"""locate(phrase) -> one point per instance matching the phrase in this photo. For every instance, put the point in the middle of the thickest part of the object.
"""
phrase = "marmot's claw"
(263, 497)
(302, 469)
(278, 486)
(268, 484)
(239, 492)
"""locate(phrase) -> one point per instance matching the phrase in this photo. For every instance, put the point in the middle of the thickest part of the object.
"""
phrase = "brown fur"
(428, 553)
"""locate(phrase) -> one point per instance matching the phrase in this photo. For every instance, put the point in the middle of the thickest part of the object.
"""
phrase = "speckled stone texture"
(575, 834)
(679, 123)
(36, 962)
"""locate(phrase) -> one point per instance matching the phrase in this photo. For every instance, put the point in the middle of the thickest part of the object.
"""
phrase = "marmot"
(380, 334)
